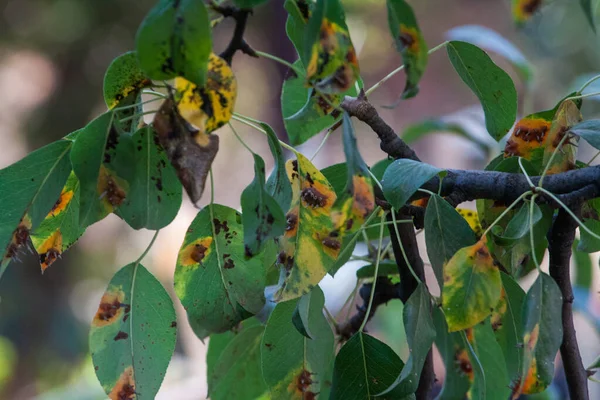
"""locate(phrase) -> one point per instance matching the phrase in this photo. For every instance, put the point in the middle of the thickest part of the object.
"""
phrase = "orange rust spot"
(19, 237)
(524, 9)
(409, 37)
(463, 363)
(420, 202)
(291, 227)
(195, 252)
(110, 309)
(62, 203)
(124, 389)
(530, 385)
(50, 249)
(529, 134)
(469, 333)
(317, 195)
(303, 382)
(110, 189)
(531, 338)
(364, 199)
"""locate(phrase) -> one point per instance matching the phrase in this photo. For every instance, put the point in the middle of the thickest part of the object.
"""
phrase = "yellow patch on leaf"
(111, 189)
(195, 252)
(524, 9)
(463, 364)
(61, 204)
(126, 91)
(499, 311)
(529, 134)
(472, 219)
(530, 384)
(409, 36)
(211, 106)
(111, 308)
(568, 115)
(124, 389)
(50, 249)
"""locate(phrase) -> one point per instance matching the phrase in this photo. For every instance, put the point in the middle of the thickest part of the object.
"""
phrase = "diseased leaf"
(403, 178)
(494, 87)
(543, 334)
(278, 185)
(236, 374)
(566, 116)
(523, 10)
(446, 232)
(190, 152)
(133, 335)
(307, 249)
(294, 366)
(60, 229)
(155, 193)
(420, 334)
(262, 217)
(472, 219)
(210, 106)
(216, 283)
(472, 286)
(490, 40)
(409, 43)
(174, 39)
(101, 159)
(363, 368)
(298, 14)
(29, 189)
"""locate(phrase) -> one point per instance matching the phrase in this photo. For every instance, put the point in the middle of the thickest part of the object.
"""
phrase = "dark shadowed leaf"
(378, 169)
(175, 40)
(402, 179)
(29, 189)
(278, 185)
(409, 43)
(589, 9)
(543, 334)
(420, 334)
(589, 243)
(248, 3)
(155, 193)
(583, 267)
(133, 334)
(519, 225)
(472, 287)
(236, 374)
(302, 314)
(363, 368)
(262, 217)
(491, 40)
(386, 268)
(216, 283)
(446, 232)
(494, 88)
(294, 366)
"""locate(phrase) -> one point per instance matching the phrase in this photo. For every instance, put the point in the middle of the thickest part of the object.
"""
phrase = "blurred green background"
(53, 55)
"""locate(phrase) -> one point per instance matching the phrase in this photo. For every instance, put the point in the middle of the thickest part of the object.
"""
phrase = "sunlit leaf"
(236, 373)
(190, 152)
(363, 368)
(60, 229)
(210, 106)
(133, 334)
(29, 189)
(155, 193)
(567, 115)
(174, 39)
(332, 65)
(472, 286)
(490, 40)
(357, 202)
(307, 249)
(543, 334)
(420, 334)
(262, 217)
(278, 185)
(403, 178)
(446, 232)
(409, 43)
(101, 159)
(494, 87)
(294, 366)
(523, 10)
(216, 283)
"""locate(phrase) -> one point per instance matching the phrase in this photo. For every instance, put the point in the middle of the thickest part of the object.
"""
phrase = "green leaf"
(155, 192)
(520, 225)
(590, 132)
(543, 334)
(307, 249)
(60, 229)
(589, 243)
(494, 87)
(378, 169)
(337, 176)
(420, 334)
(278, 185)
(403, 178)
(28, 190)
(472, 287)
(459, 371)
(124, 80)
(386, 268)
(588, 10)
(409, 43)
(236, 374)
(295, 27)
(583, 267)
(216, 283)
(416, 131)
(302, 314)
(446, 232)
(262, 217)
(364, 367)
(133, 334)
(101, 159)
(491, 40)
(175, 40)
(496, 385)
(294, 366)
(248, 3)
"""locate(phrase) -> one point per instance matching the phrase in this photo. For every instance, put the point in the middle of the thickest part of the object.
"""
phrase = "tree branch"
(237, 40)
(560, 239)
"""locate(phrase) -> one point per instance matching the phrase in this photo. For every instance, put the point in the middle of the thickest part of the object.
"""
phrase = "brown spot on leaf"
(198, 252)
(313, 198)
(174, 324)
(195, 252)
(332, 243)
(121, 336)
(124, 389)
(110, 308)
